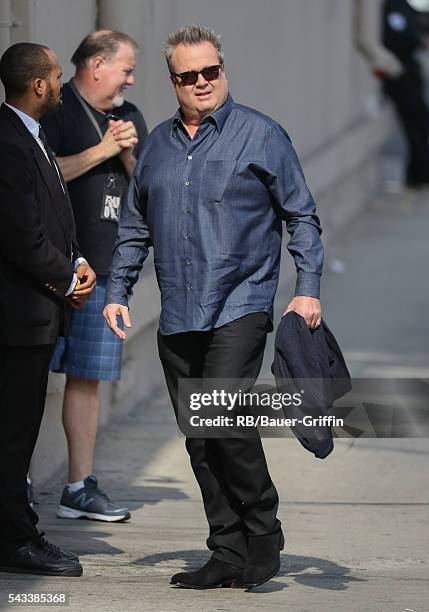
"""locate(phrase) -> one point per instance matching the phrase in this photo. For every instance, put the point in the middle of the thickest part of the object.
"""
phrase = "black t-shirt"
(70, 131)
(402, 33)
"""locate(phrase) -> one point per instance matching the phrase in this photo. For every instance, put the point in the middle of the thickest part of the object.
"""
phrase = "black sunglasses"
(211, 73)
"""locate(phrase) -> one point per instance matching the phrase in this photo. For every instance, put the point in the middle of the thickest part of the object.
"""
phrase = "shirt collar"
(31, 124)
(218, 117)
(222, 113)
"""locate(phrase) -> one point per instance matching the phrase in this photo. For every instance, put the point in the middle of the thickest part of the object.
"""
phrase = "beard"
(51, 101)
(118, 101)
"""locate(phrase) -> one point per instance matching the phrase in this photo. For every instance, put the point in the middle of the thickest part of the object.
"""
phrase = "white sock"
(75, 486)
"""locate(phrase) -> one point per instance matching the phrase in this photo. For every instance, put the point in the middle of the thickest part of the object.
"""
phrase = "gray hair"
(191, 35)
(101, 42)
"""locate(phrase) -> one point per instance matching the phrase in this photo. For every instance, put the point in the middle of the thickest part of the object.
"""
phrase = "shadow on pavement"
(313, 572)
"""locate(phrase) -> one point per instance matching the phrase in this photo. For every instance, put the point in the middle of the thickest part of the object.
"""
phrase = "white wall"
(59, 24)
(292, 59)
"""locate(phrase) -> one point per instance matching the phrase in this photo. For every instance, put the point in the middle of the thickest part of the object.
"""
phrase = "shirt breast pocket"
(222, 208)
(218, 180)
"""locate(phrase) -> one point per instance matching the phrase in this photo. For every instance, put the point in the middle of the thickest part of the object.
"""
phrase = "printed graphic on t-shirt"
(397, 22)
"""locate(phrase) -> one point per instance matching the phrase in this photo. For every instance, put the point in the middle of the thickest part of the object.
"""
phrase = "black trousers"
(239, 497)
(407, 95)
(23, 382)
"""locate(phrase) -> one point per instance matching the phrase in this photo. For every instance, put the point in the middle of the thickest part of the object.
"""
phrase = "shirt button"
(188, 211)
(187, 183)
(190, 287)
(189, 157)
(187, 236)
(188, 262)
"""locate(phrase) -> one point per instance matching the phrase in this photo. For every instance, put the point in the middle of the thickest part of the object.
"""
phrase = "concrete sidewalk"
(356, 524)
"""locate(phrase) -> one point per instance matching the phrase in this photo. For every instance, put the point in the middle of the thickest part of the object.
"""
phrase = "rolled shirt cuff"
(111, 298)
(308, 284)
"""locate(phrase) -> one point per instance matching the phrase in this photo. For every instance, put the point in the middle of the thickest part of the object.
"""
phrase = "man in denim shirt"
(210, 192)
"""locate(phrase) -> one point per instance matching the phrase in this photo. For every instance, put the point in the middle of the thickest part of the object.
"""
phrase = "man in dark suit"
(41, 275)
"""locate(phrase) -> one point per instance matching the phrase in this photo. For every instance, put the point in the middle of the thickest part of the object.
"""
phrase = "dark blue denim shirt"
(212, 208)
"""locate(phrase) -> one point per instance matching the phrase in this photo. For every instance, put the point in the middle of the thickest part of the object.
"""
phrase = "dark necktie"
(51, 157)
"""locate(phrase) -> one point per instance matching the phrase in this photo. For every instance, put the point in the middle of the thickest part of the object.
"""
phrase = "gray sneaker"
(91, 503)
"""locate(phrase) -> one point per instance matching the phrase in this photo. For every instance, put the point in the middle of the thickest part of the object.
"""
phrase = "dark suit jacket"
(37, 240)
(312, 361)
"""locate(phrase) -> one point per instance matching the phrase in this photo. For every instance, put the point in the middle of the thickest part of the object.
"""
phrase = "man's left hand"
(125, 133)
(87, 278)
(309, 308)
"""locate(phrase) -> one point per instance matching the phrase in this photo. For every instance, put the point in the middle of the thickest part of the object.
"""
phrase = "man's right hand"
(111, 312)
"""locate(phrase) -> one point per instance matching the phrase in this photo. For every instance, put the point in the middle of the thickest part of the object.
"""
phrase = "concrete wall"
(292, 59)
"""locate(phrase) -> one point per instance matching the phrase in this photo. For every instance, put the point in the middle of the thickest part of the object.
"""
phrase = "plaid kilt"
(91, 350)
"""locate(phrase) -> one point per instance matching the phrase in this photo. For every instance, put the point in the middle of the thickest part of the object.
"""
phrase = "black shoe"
(64, 553)
(263, 558)
(214, 574)
(40, 558)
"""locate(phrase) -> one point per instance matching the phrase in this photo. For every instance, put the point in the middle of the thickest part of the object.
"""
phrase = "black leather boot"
(213, 574)
(263, 558)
